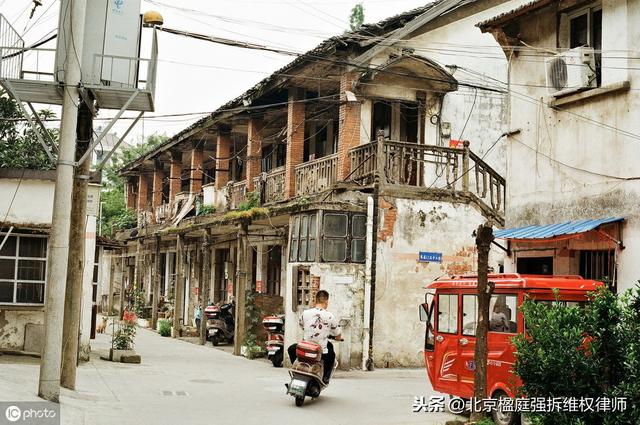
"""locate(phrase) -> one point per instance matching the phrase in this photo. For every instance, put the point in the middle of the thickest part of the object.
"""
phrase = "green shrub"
(252, 200)
(206, 209)
(583, 352)
(164, 327)
(125, 220)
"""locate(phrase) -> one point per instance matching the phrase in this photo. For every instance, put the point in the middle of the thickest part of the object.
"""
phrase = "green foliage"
(356, 19)
(126, 332)
(583, 352)
(485, 421)
(252, 321)
(247, 215)
(20, 145)
(114, 213)
(137, 297)
(164, 327)
(252, 200)
(206, 209)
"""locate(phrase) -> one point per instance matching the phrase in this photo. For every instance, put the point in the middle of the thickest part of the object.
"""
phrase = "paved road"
(182, 383)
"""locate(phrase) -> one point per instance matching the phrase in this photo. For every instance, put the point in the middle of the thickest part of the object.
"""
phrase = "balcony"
(316, 176)
(458, 172)
(273, 185)
(236, 194)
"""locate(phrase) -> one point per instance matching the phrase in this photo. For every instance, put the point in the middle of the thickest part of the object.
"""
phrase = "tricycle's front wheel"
(500, 417)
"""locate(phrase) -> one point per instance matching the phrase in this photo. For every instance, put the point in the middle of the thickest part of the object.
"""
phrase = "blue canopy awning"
(554, 230)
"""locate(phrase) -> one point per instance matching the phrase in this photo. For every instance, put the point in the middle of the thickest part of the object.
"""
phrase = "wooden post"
(380, 157)
(484, 237)
(206, 283)
(466, 172)
(242, 272)
(179, 289)
(112, 278)
(155, 279)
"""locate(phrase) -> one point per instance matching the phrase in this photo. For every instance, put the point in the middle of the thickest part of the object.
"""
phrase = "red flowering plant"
(126, 332)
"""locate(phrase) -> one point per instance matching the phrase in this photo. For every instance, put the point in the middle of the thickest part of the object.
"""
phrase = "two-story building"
(345, 170)
(572, 160)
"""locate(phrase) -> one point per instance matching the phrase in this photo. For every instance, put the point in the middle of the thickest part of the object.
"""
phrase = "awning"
(551, 231)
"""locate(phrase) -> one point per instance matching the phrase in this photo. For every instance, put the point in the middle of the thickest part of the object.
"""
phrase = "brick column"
(349, 131)
(130, 198)
(156, 198)
(143, 188)
(195, 178)
(175, 170)
(223, 152)
(254, 151)
(295, 139)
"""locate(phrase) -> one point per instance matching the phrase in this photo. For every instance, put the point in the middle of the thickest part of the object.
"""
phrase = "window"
(585, 29)
(448, 313)
(503, 313)
(23, 264)
(398, 120)
(303, 238)
(344, 237)
(469, 314)
(302, 291)
(598, 265)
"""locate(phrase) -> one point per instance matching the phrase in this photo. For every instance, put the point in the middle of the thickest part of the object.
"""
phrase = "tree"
(356, 19)
(20, 147)
(114, 210)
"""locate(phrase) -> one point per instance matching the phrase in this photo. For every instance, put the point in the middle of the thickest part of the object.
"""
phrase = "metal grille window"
(302, 290)
(23, 264)
(303, 238)
(599, 265)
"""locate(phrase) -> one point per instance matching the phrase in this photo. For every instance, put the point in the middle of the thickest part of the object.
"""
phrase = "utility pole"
(77, 260)
(206, 283)
(484, 237)
(72, 24)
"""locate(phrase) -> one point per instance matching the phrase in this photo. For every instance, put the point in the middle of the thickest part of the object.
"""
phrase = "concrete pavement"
(182, 383)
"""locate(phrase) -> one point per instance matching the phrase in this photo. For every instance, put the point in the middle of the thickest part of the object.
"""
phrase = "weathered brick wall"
(254, 151)
(174, 178)
(223, 149)
(195, 178)
(295, 139)
(349, 131)
(143, 187)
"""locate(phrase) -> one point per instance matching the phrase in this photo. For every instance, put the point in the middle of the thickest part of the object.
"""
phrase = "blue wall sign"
(430, 257)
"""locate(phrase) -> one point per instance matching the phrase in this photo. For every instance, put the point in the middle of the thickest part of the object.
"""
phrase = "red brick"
(349, 131)
(223, 151)
(295, 139)
(175, 171)
(143, 188)
(254, 151)
(195, 177)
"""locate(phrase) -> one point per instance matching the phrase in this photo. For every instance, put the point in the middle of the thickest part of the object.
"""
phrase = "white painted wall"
(567, 164)
(418, 225)
(33, 202)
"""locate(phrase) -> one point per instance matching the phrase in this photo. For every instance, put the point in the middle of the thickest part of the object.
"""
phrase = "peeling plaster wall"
(12, 326)
(567, 163)
(406, 228)
(345, 284)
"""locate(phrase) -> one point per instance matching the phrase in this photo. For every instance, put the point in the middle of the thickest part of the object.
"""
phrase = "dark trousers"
(328, 359)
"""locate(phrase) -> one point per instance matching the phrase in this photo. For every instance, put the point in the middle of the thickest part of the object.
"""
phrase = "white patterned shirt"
(319, 324)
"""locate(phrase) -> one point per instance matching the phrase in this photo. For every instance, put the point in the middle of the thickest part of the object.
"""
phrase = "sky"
(197, 76)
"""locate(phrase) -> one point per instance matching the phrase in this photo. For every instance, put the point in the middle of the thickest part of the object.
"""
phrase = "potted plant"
(122, 340)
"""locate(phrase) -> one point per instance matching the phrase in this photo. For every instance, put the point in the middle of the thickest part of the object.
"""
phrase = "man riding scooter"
(320, 324)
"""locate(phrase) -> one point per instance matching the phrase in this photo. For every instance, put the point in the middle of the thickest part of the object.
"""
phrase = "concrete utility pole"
(241, 288)
(206, 283)
(484, 237)
(179, 290)
(72, 24)
(76, 262)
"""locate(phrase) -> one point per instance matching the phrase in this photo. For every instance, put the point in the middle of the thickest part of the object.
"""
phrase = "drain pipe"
(367, 284)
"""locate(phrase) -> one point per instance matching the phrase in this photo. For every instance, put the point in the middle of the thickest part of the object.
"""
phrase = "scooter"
(307, 372)
(220, 323)
(274, 325)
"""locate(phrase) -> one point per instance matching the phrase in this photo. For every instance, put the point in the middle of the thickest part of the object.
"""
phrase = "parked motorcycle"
(274, 325)
(220, 323)
(307, 372)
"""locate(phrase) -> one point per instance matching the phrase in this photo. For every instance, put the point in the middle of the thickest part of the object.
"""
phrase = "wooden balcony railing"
(316, 176)
(237, 193)
(273, 190)
(427, 166)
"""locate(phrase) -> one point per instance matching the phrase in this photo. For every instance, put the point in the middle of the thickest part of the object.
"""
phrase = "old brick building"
(336, 172)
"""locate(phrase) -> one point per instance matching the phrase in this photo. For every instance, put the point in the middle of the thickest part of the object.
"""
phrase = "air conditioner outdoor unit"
(571, 71)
